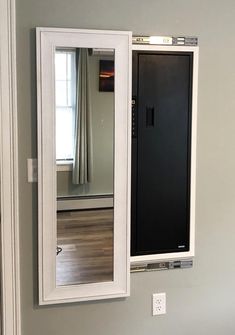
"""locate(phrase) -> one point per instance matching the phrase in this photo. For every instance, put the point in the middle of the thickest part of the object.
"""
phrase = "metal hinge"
(165, 40)
(157, 266)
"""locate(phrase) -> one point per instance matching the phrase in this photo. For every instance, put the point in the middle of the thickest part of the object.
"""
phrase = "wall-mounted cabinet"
(84, 123)
(164, 93)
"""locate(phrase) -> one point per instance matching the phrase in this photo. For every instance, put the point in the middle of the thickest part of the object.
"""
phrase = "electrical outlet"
(159, 303)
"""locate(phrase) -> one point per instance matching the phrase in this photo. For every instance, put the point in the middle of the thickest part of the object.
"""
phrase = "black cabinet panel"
(161, 152)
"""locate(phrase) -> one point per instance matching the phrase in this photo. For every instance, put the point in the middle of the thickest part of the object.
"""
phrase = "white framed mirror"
(84, 144)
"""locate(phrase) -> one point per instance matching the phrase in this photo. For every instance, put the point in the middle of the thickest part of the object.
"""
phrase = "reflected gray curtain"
(83, 165)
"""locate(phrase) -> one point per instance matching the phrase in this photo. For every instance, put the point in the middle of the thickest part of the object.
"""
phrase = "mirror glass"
(84, 103)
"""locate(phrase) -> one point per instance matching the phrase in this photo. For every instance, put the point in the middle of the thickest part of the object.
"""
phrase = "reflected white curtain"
(83, 165)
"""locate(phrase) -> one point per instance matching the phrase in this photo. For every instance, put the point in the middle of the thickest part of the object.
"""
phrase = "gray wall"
(200, 300)
(102, 109)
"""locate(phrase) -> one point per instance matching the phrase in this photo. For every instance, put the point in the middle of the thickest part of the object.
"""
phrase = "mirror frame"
(47, 40)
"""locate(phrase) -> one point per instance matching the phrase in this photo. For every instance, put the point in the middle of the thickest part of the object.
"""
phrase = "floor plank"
(86, 239)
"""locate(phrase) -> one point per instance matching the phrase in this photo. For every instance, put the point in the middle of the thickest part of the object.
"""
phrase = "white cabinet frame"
(47, 41)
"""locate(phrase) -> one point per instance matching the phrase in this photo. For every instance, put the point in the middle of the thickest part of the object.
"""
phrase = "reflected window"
(65, 79)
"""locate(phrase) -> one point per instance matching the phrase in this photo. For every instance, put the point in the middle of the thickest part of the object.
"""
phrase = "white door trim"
(10, 274)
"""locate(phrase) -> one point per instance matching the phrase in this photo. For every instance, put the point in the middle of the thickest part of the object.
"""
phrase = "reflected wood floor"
(86, 239)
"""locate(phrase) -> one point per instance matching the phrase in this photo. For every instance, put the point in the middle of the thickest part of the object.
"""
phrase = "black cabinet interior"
(161, 150)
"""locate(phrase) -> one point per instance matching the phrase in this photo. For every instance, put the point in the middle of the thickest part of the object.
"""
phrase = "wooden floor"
(86, 239)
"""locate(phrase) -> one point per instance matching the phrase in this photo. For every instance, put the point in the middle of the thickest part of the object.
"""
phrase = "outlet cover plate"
(32, 164)
(159, 303)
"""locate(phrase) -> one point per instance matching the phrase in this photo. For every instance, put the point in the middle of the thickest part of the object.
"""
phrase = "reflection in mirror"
(84, 87)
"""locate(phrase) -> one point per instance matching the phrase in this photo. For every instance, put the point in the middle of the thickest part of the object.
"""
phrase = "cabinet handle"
(149, 116)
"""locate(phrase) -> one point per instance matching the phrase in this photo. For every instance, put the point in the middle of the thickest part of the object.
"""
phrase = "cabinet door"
(162, 87)
(83, 252)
